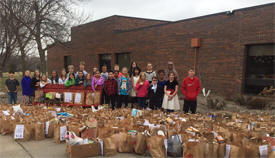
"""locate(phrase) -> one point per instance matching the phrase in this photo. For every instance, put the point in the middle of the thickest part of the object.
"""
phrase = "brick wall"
(221, 57)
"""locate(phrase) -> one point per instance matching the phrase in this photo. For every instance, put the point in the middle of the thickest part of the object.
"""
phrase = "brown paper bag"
(57, 133)
(155, 146)
(51, 129)
(110, 145)
(38, 94)
(140, 144)
(27, 132)
(89, 99)
(193, 149)
(125, 143)
(39, 131)
(81, 101)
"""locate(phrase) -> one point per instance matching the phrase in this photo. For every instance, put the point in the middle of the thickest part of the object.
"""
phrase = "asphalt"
(9, 148)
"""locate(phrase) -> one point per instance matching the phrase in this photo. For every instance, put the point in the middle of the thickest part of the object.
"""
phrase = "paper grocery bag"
(59, 133)
(37, 95)
(193, 149)
(49, 128)
(27, 132)
(125, 143)
(110, 145)
(39, 131)
(97, 96)
(155, 146)
(139, 144)
(89, 99)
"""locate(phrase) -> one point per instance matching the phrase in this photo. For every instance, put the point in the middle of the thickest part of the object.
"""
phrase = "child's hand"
(141, 83)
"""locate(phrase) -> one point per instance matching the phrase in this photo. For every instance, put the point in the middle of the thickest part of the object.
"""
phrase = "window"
(67, 62)
(105, 59)
(260, 67)
(123, 60)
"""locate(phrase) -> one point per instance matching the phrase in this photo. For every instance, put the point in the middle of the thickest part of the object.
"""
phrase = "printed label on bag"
(63, 130)
(19, 132)
(227, 151)
(47, 127)
(263, 150)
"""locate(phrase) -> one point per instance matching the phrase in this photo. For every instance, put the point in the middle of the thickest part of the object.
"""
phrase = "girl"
(35, 80)
(171, 100)
(142, 90)
(54, 79)
(71, 70)
(133, 66)
(71, 80)
(88, 80)
(134, 80)
(94, 70)
(97, 80)
(150, 73)
(124, 87)
(63, 77)
(44, 81)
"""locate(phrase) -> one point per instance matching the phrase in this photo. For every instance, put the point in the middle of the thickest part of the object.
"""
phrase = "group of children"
(147, 89)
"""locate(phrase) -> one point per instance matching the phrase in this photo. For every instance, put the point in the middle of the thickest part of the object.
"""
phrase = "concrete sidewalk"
(9, 148)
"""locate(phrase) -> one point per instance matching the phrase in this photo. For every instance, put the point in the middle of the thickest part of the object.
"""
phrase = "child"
(142, 90)
(124, 88)
(44, 81)
(104, 72)
(110, 88)
(94, 70)
(88, 80)
(155, 94)
(133, 66)
(161, 77)
(36, 80)
(116, 68)
(71, 70)
(63, 77)
(150, 73)
(82, 68)
(97, 80)
(116, 73)
(80, 78)
(71, 80)
(12, 85)
(27, 90)
(190, 88)
(171, 100)
(134, 79)
(54, 79)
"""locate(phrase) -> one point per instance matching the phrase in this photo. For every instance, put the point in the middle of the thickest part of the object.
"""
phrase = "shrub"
(214, 103)
(257, 103)
(241, 100)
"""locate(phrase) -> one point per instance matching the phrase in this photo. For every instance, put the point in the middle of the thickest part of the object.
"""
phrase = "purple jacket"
(98, 82)
(26, 86)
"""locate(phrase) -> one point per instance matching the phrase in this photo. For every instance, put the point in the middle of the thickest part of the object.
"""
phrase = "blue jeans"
(141, 102)
(12, 97)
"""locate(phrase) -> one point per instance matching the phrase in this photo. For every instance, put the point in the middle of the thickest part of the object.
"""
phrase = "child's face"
(110, 75)
(37, 73)
(149, 67)
(171, 77)
(11, 75)
(116, 68)
(88, 76)
(94, 69)
(124, 71)
(27, 73)
(80, 74)
(81, 67)
(143, 77)
(44, 78)
(71, 76)
(97, 74)
(63, 72)
(116, 74)
(104, 69)
(134, 65)
(161, 75)
(191, 73)
(136, 71)
(155, 81)
(53, 74)
(71, 69)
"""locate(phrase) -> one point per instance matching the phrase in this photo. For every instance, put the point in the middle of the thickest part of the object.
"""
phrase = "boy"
(27, 90)
(82, 68)
(190, 88)
(79, 78)
(12, 85)
(161, 76)
(150, 73)
(110, 89)
(155, 94)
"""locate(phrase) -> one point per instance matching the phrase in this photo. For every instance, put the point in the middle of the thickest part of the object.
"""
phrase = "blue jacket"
(26, 86)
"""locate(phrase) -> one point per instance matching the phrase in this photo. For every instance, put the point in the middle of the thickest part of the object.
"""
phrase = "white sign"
(263, 150)
(47, 127)
(58, 95)
(77, 98)
(101, 146)
(68, 97)
(19, 132)
(63, 130)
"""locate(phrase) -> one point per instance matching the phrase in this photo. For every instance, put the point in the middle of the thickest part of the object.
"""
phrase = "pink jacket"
(98, 82)
(142, 90)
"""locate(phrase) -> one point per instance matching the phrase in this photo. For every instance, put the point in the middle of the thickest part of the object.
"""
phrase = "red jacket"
(191, 88)
(142, 90)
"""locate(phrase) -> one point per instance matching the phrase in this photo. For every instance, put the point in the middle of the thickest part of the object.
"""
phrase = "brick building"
(236, 53)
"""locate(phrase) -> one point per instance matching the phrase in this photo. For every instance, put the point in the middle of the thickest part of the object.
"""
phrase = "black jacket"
(155, 98)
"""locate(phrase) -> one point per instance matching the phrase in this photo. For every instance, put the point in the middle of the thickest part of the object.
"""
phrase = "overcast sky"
(171, 10)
